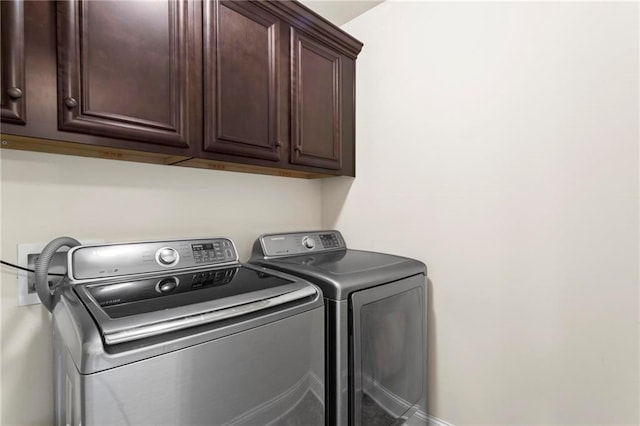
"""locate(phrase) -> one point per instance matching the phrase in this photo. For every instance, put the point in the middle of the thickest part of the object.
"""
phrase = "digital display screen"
(200, 247)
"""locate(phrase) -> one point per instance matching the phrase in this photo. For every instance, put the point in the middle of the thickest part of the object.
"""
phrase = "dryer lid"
(339, 273)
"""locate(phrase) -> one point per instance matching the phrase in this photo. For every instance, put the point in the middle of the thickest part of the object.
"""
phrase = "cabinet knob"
(298, 148)
(278, 144)
(14, 93)
(71, 102)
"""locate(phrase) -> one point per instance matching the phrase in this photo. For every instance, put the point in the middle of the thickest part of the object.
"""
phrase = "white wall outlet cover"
(25, 296)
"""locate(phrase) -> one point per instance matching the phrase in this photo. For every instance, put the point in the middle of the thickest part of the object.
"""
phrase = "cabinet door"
(316, 119)
(241, 61)
(126, 69)
(12, 97)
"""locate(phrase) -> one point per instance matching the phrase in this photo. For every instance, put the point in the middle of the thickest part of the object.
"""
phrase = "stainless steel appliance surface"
(375, 325)
(181, 333)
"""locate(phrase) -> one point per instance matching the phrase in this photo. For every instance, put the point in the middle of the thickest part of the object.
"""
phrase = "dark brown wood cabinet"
(316, 119)
(241, 68)
(256, 86)
(126, 70)
(12, 95)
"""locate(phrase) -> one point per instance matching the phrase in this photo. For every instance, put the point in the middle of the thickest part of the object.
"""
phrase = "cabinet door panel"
(123, 69)
(316, 119)
(12, 95)
(241, 80)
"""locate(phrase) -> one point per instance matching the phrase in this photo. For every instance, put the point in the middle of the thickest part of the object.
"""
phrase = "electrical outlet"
(27, 256)
(58, 265)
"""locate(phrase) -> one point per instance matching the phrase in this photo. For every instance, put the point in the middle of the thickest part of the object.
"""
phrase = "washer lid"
(339, 273)
(131, 310)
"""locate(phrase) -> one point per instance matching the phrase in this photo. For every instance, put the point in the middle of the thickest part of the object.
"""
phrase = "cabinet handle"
(71, 102)
(298, 148)
(14, 93)
(278, 144)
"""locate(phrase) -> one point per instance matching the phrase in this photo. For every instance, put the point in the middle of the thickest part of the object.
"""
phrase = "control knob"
(167, 285)
(308, 242)
(167, 256)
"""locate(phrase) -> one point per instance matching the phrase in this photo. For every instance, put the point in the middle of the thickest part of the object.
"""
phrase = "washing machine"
(181, 333)
(375, 332)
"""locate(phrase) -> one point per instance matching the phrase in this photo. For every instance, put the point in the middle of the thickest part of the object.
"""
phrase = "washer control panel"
(301, 243)
(114, 260)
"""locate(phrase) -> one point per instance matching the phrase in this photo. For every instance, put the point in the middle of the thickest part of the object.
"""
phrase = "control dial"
(308, 242)
(167, 256)
(167, 285)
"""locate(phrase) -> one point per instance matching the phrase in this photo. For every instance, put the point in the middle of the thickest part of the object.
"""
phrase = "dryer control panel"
(113, 260)
(301, 242)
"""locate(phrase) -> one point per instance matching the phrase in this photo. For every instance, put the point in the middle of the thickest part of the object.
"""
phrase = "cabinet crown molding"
(304, 19)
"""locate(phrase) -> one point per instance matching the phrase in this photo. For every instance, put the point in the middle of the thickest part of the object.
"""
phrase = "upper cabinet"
(316, 118)
(242, 60)
(258, 86)
(12, 97)
(127, 69)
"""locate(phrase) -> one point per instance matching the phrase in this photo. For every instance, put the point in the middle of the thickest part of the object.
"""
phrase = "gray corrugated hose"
(42, 268)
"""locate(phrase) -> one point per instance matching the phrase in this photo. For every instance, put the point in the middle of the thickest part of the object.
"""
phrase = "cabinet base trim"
(24, 143)
(246, 168)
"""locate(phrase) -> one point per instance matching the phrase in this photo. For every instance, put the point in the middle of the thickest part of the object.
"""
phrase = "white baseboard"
(434, 421)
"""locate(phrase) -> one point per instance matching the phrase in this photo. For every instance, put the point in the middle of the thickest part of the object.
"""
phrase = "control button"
(167, 285)
(308, 242)
(226, 244)
(329, 241)
(228, 253)
(167, 256)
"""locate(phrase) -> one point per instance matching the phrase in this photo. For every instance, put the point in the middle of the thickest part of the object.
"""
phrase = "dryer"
(375, 330)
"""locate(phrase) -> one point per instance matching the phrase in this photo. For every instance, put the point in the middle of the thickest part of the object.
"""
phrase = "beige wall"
(45, 196)
(498, 142)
